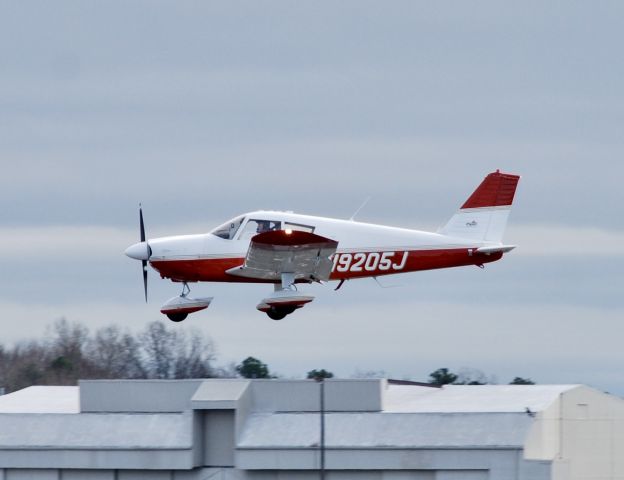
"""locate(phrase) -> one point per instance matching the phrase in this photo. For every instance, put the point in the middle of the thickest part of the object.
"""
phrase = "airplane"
(286, 249)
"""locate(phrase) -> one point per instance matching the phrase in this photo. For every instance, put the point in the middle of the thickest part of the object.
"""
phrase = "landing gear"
(179, 316)
(178, 308)
(284, 300)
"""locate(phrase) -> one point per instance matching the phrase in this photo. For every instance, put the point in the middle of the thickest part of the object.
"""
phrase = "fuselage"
(364, 249)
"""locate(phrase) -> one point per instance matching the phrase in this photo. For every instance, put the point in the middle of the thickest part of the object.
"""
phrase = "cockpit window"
(228, 229)
(255, 226)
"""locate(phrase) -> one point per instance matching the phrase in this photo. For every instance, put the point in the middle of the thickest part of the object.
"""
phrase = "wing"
(303, 254)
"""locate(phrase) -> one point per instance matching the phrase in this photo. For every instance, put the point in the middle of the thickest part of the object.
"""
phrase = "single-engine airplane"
(285, 249)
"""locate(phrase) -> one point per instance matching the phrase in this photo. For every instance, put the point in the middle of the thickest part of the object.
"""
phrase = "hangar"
(270, 429)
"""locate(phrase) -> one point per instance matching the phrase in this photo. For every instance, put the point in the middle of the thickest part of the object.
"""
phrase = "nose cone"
(138, 251)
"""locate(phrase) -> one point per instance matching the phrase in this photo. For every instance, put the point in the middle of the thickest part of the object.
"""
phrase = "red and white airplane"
(285, 248)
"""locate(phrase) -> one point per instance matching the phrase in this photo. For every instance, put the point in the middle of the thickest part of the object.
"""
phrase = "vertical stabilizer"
(483, 217)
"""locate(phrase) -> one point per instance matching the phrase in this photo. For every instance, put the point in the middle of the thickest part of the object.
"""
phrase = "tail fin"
(483, 217)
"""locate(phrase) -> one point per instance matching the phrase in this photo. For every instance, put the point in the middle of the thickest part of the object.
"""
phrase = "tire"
(177, 317)
(275, 313)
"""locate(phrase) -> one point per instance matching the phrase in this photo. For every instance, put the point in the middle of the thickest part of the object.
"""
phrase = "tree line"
(443, 376)
(69, 352)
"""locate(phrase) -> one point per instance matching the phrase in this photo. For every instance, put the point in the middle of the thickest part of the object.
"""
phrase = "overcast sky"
(204, 110)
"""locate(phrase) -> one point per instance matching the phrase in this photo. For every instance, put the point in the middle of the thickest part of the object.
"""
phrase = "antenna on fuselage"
(385, 286)
(360, 208)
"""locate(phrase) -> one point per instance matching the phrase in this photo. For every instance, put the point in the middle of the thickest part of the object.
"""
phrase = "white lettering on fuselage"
(368, 262)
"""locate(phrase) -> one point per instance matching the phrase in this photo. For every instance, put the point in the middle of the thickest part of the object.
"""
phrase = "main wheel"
(177, 317)
(275, 313)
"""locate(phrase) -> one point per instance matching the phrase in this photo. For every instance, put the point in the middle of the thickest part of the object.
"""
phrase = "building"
(270, 429)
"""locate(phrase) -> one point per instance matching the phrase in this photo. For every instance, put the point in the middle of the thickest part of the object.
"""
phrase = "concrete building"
(269, 429)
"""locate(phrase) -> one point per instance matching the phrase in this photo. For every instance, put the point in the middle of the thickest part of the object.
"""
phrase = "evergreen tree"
(318, 374)
(253, 368)
(442, 376)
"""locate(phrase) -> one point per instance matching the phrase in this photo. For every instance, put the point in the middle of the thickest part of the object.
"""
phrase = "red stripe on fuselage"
(213, 269)
(200, 269)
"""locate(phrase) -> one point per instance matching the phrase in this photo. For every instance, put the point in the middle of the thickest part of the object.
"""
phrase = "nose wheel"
(177, 317)
(178, 308)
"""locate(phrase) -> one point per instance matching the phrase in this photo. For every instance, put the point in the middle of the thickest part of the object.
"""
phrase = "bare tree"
(369, 374)
(195, 354)
(65, 345)
(474, 376)
(157, 344)
(115, 354)
(226, 371)
(172, 353)
(70, 353)
(24, 365)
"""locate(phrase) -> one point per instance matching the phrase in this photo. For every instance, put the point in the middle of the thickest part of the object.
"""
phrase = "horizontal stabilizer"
(496, 249)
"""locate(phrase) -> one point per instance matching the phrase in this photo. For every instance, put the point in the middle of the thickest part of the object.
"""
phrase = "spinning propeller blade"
(144, 266)
(143, 262)
(141, 224)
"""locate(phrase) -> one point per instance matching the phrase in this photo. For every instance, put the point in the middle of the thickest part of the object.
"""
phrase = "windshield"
(228, 229)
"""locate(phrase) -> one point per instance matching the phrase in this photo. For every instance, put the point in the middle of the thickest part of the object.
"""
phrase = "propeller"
(143, 262)
(141, 250)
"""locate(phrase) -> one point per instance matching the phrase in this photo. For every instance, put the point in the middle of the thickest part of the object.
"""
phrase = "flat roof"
(42, 399)
(471, 398)
(397, 398)
(386, 430)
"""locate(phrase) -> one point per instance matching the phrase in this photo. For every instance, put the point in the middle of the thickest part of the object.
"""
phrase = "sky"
(205, 110)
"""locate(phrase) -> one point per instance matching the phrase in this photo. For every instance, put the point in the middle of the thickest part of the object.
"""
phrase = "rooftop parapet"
(274, 395)
(137, 396)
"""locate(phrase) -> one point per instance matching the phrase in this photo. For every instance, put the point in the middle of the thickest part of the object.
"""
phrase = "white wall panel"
(87, 475)
(32, 474)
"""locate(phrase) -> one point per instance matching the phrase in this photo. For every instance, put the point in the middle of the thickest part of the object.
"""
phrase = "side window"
(298, 226)
(228, 229)
(255, 226)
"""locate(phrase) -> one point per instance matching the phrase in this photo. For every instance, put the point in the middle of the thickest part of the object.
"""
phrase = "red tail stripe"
(497, 189)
